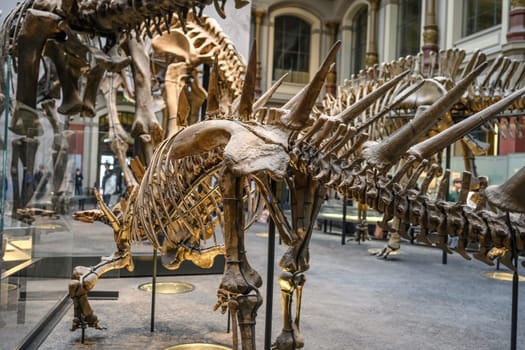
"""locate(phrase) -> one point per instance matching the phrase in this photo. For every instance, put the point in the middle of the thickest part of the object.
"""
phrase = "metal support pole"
(515, 282)
(269, 279)
(447, 166)
(153, 290)
(343, 232)
(83, 327)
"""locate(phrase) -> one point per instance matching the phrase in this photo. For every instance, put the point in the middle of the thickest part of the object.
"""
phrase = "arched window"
(480, 15)
(359, 26)
(291, 49)
(409, 27)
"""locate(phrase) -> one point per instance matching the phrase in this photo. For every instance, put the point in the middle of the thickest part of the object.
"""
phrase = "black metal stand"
(444, 254)
(83, 327)
(83, 334)
(228, 322)
(515, 282)
(514, 322)
(343, 231)
(153, 290)
(269, 279)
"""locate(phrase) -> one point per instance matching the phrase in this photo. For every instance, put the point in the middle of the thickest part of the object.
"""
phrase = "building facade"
(293, 36)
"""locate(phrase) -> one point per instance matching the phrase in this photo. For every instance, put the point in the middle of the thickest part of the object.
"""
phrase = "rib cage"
(180, 194)
(183, 193)
(180, 199)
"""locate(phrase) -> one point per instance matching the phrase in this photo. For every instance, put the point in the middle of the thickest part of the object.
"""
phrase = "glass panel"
(291, 49)
(480, 15)
(359, 29)
(497, 168)
(47, 176)
(409, 27)
(516, 162)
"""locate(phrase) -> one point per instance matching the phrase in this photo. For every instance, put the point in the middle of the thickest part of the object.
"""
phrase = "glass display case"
(46, 176)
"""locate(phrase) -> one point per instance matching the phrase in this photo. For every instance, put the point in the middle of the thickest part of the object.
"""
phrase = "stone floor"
(351, 301)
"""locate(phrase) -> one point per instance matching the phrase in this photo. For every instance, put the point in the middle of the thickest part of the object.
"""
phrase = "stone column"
(259, 15)
(430, 33)
(331, 79)
(390, 9)
(516, 21)
(371, 50)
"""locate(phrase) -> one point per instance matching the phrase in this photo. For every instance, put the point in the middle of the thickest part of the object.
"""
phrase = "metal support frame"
(153, 290)
(515, 287)
(269, 278)
(444, 256)
(343, 230)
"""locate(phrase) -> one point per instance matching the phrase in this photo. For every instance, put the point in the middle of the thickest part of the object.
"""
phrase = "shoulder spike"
(213, 91)
(248, 89)
(301, 104)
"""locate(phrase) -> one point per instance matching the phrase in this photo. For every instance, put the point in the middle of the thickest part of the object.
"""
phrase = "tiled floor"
(351, 301)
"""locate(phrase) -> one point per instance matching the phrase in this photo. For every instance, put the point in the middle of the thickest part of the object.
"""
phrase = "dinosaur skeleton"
(177, 199)
(82, 61)
(33, 23)
(502, 78)
(311, 152)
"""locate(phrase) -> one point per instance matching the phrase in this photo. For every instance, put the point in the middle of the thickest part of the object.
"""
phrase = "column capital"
(371, 59)
(332, 24)
(332, 27)
(259, 13)
(374, 4)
